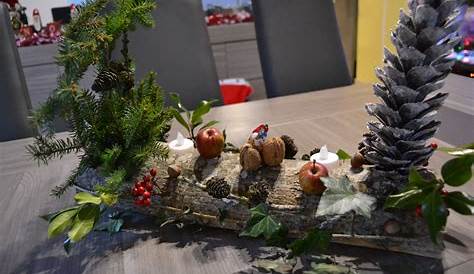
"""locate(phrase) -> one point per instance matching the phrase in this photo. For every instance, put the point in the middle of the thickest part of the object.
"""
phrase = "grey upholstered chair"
(178, 49)
(15, 103)
(299, 44)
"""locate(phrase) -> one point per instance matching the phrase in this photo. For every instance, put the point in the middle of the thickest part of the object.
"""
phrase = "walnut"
(273, 151)
(250, 158)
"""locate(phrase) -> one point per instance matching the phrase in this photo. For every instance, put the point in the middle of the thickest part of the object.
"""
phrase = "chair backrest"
(15, 103)
(299, 45)
(178, 49)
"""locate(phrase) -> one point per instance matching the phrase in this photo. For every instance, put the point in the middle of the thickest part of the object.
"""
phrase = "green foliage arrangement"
(116, 126)
(429, 195)
(192, 119)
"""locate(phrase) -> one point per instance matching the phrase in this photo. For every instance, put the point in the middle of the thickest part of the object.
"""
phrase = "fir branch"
(44, 149)
(113, 183)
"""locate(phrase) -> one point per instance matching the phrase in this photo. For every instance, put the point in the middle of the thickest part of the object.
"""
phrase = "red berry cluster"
(142, 190)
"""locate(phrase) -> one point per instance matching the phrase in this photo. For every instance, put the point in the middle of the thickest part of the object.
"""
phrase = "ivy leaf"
(279, 238)
(209, 124)
(340, 198)
(84, 222)
(260, 223)
(457, 171)
(85, 198)
(112, 226)
(323, 268)
(435, 214)
(460, 202)
(62, 221)
(315, 240)
(266, 227)
(343, 155)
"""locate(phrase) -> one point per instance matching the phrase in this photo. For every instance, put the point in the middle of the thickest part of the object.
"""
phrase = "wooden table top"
(335, 117)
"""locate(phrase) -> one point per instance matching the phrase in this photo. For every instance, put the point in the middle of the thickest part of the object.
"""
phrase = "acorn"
(273, 151)
(218, 187)
(357, 161)
(174, 171)
(250, 158)
(290, 148)
(391, 227)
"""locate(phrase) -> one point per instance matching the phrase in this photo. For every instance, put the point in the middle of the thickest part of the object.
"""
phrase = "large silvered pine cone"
(409, 79)
(218, 187)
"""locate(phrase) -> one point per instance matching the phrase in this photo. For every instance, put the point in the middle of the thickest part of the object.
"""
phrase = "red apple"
(310, 178)
(210, 143)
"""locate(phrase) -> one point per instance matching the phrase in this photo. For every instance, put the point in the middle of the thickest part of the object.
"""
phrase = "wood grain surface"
(334, 117)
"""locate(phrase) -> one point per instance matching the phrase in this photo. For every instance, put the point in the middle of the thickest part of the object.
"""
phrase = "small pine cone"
(217, 187)
(258, 192)
(290, 148)
(106, 80)
(314, 151)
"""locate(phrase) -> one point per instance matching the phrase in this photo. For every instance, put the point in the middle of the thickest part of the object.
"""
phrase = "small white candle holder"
(328, 159)
(181, 145)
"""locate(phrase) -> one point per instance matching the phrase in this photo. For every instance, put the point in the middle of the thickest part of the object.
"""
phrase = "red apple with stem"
(310, 178)
(210, 143)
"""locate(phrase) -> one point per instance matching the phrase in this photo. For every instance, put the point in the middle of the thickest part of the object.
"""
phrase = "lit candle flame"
(323, 153)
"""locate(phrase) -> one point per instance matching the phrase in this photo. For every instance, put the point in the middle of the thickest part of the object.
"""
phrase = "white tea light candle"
(326, 158)
(181, 145)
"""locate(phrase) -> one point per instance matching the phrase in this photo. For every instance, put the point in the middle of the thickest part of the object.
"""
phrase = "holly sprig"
(428, 196)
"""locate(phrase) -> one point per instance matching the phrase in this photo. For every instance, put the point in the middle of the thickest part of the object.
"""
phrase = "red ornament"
(444, 192)
(153, 171)
(419, 211)
(139, 202)
(146, 195)
(434, 145)
(141, 190)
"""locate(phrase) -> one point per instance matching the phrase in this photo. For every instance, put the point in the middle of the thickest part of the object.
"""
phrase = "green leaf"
(340, 198)
(112, 226)
(460, 202)
(260, 223)
(279, 238)
(457, 171)
(280, 265)
(109, 199)
(405, 200)
(203, 108)
(85, 198)
(415, 180)
(323, 268)
(343, 155)
(61, 222)
(177, 101)
(209, 124)
(459, 151)
(67, 245)
(315, 240)
(435, 214)
(266, 227)
(84, 222)
(180, 119)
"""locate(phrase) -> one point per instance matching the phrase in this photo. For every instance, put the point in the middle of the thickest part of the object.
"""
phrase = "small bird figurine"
(259, 134)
